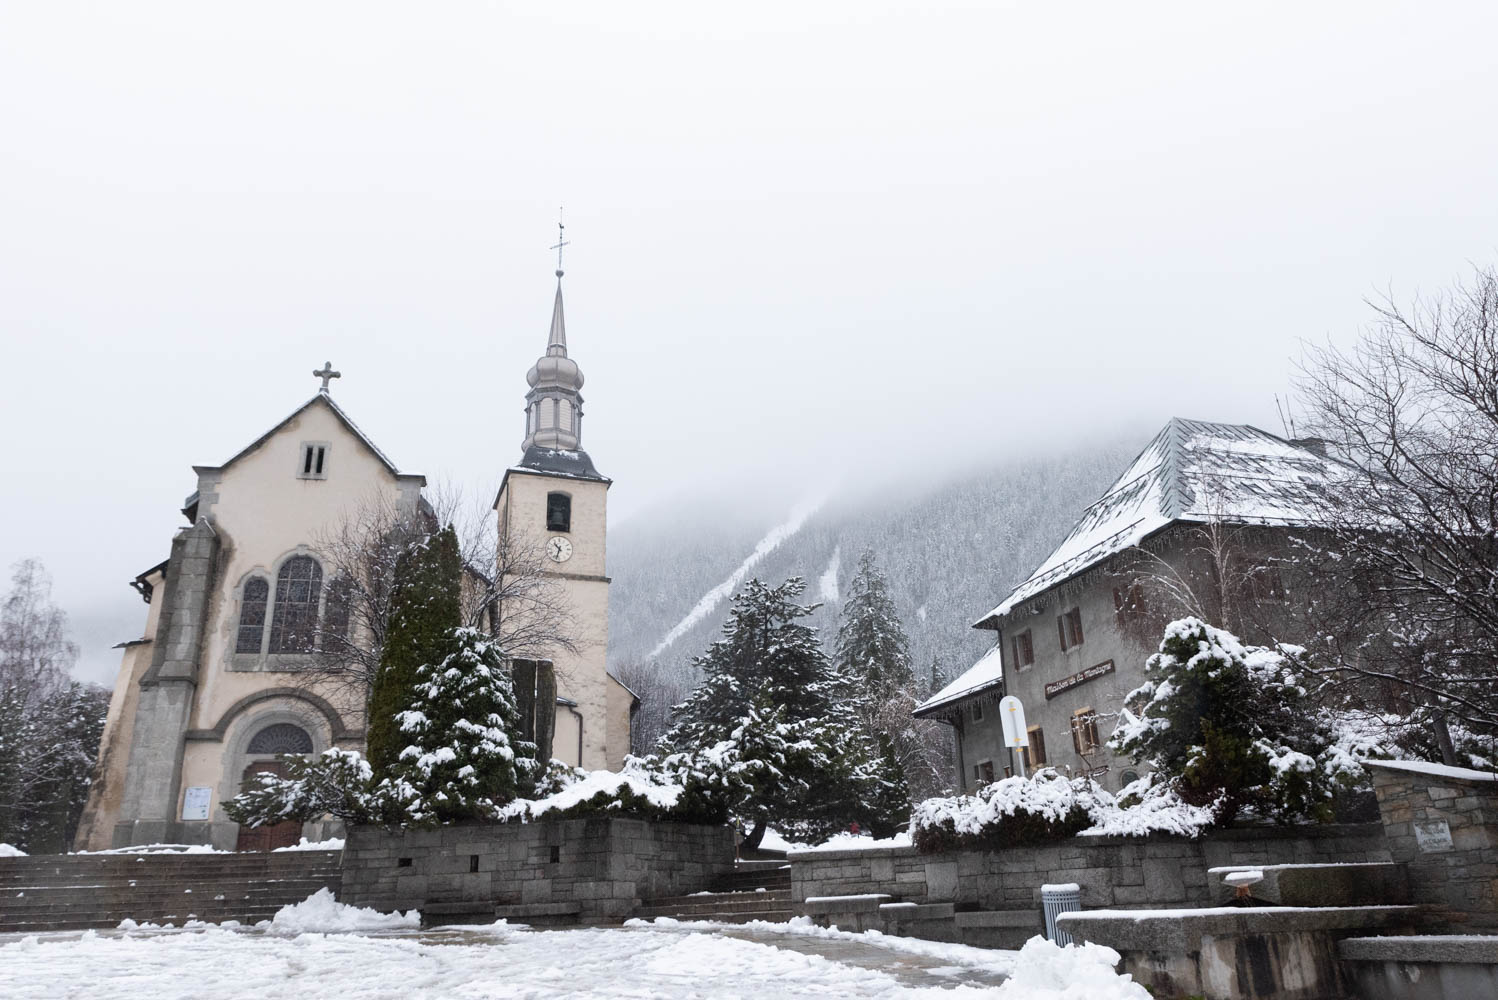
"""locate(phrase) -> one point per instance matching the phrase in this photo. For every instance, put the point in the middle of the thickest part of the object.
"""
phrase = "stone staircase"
(76, 892)
(755, 890)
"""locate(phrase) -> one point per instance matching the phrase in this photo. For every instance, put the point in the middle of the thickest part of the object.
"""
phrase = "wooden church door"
(267, 838)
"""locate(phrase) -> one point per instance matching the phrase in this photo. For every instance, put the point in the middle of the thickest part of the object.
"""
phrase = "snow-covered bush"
(1007, 813)
(460, 762)
(335, 782)
(1232, 728)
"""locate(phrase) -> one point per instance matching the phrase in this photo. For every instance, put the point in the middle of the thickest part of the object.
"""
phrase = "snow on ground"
(724, 590)
(665, 959)
(321, 913)
(331, 844)
(6, 851)
(665, 962)
(827, 582)
(160, 849)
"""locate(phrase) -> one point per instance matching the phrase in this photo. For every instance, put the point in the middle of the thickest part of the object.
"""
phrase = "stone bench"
(1433, 967)
(1358, 884)
(1252, 953)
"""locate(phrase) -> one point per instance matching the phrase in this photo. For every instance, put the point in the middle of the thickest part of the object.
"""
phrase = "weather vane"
(561, 241)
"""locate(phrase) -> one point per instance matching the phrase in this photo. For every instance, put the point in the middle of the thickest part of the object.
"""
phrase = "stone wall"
(1443, 824)
(1112, 871)
(596, 868)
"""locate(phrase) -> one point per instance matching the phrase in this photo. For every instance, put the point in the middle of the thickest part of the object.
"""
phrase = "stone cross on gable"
(326, 374)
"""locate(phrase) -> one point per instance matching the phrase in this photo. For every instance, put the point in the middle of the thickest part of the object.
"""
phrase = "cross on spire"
(561, 241)
(326, 374)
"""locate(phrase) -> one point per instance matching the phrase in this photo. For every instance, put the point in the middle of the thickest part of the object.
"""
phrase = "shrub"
(1009, 813)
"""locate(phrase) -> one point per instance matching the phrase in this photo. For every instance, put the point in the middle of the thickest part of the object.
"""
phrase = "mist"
(810, 244)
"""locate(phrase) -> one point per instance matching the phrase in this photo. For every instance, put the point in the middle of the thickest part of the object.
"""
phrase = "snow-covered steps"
(754, 890)
(74, 892)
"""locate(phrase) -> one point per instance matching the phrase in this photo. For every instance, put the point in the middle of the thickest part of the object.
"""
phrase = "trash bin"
(1058, 899)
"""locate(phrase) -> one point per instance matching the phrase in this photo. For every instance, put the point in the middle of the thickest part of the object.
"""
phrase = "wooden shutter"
(1037, 746)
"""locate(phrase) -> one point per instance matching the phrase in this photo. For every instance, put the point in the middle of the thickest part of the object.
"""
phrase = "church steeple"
(554, 405)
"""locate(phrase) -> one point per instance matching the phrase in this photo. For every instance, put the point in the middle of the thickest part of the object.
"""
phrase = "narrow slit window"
(320, 452)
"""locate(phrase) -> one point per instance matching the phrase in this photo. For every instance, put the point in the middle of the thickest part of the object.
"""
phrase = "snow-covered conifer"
(459, 760)
(771, 694)
(872, 647)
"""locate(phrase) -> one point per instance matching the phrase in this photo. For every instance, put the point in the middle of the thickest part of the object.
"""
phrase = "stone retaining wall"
(596, 868)
(1443, 824)
(1112, 871)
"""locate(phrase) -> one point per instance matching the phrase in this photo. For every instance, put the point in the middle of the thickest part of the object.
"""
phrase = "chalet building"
(1203, 521)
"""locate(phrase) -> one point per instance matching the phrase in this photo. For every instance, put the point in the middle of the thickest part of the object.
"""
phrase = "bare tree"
(1412, 409)
(505, 589)
(36, 654)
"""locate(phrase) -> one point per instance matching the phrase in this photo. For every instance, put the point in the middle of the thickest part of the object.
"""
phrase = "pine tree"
(872, 646)
(769, 694)
(459, 761)
(873, 654)
(424, 611)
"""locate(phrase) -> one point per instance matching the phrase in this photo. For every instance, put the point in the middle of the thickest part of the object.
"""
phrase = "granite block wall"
(1111, 871)
(1444, 826)
(605, 866)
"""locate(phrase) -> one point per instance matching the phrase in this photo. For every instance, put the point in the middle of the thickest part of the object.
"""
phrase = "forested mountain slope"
(951, 552)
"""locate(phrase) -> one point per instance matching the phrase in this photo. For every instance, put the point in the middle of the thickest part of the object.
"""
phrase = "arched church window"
(294, 623)
(252, 615)
(558, 512)
(566, 411)
(337, 606)
(282, 737)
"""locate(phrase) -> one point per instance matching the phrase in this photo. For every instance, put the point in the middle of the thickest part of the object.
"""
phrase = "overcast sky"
(806, 237)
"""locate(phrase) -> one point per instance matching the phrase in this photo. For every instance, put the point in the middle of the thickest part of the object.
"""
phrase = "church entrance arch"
(277, 738)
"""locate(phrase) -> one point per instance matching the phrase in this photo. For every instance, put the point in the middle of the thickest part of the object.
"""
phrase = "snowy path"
(637, 962)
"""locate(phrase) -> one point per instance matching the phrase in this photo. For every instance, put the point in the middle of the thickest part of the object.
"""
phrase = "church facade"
(223, 678)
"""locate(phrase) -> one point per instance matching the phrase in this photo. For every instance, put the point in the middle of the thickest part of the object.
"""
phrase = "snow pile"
(161, 849)
(320, 913)
(1046, 971)
(606, 789)
(855, 842)
(331, 844)
(7, 851)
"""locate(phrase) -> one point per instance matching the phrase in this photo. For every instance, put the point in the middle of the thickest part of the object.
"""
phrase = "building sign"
(1067, 683)
(1434, 835)
(195, 802)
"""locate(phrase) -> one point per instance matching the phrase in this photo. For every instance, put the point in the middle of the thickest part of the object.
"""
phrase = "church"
(219, 683)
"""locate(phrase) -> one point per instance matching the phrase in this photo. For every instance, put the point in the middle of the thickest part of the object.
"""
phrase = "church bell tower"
(552, 510)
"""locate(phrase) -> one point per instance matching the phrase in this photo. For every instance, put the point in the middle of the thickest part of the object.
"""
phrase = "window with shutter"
(1037, 746)
(1084, 731)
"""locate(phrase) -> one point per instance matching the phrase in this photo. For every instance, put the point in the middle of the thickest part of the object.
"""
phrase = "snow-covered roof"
(986, 673)
(1192, 471)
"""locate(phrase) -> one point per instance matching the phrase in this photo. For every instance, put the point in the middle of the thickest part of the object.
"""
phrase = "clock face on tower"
(558, 549)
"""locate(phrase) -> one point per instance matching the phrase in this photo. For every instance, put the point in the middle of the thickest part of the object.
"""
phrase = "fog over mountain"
(951, 547)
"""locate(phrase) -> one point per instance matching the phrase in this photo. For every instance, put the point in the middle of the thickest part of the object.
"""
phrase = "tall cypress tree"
(425, 609)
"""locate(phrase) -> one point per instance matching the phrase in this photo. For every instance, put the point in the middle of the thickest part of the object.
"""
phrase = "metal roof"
(1194, 471)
